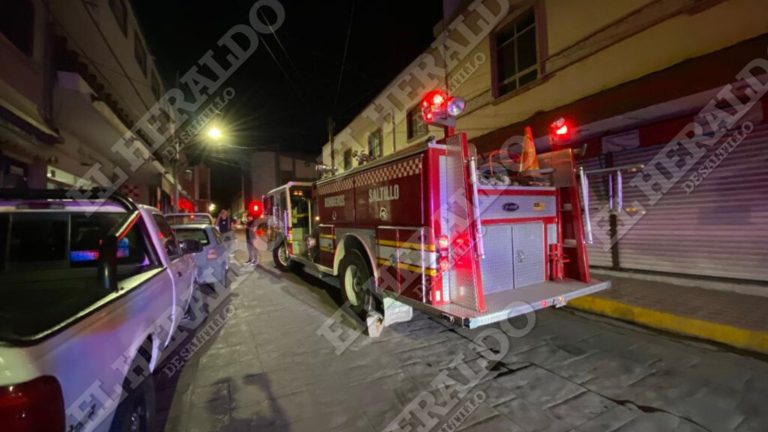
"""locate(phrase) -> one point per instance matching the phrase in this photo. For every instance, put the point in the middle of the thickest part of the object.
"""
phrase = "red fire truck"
(421, 229)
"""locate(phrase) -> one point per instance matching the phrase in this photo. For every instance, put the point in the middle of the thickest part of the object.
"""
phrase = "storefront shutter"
(720, 229)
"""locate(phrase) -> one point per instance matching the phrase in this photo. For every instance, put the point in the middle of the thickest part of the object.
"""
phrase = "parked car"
(92, 291)
(189, 218)
(213, 261)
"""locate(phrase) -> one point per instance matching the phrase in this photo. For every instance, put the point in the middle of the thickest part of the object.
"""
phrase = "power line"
(282, 69)
(280, 44)
(344, 56)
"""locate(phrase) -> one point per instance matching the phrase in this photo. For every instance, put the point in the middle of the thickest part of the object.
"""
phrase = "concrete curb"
(752, 340)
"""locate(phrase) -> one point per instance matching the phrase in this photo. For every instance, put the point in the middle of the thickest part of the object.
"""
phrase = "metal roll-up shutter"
(599, 252)
(720, 229)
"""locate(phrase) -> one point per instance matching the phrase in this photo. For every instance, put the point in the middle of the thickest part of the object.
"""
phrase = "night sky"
(287, 106)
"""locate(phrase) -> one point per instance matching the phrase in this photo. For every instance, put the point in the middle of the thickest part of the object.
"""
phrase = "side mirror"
(190, 246)
(108, 263)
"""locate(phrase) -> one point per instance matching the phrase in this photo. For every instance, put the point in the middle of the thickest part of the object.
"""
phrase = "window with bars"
(155, 86)
(347, 159)
(17, 23)
(375, 139)
(140, 53)
(517, 62)
(416, 126)
(120, 12)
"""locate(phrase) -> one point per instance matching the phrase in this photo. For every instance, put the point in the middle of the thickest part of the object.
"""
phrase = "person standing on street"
(224, 224)
(250, 230)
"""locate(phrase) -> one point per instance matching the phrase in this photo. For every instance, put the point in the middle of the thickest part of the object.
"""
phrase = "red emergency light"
(186, 205)
(439, 107)
(561, 129)
(255, 208)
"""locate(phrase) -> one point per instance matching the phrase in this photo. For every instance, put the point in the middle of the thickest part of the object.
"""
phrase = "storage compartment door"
(528, 245)
(514, 256)
(498, 265)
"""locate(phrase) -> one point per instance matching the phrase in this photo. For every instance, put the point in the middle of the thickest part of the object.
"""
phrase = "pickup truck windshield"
(48, 266)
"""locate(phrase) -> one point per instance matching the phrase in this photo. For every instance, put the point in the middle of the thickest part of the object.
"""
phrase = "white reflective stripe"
(409, 256)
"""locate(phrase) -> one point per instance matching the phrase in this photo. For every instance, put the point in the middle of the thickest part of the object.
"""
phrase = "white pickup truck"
(91, 292)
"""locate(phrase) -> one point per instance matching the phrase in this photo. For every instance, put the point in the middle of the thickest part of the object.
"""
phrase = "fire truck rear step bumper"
(510, 303)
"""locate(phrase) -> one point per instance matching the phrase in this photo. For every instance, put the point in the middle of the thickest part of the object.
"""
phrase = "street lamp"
(212, 208)
(214, 133)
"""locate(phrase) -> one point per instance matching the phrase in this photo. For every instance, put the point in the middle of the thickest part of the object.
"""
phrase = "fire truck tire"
(281, 258)
(357, 284)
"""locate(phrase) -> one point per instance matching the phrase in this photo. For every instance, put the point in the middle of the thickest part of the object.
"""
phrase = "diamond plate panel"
(528, 243)
(498, 270)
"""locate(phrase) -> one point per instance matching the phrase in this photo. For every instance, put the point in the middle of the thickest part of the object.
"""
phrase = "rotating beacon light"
(255, 208)
(438, 107)
(560, 131)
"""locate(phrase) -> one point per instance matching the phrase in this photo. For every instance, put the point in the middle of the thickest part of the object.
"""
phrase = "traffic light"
(255, 208)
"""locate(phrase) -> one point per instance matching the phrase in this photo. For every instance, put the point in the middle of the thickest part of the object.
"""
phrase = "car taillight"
(212, 254)
(36, 405)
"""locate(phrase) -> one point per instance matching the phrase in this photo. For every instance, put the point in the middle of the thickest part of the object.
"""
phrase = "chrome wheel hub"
(353, 285)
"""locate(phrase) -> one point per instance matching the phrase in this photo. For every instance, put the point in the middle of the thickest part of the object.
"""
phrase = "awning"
(22, 113)
(95, 124)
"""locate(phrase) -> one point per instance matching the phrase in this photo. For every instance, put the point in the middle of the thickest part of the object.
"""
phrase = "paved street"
(267, 369)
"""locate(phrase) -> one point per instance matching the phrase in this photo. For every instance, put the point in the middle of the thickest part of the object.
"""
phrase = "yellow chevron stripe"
(406, 245)
(327, 236)
(416, 269)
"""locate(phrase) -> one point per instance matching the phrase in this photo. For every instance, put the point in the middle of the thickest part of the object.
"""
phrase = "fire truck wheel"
(281, 257)
(357, 283)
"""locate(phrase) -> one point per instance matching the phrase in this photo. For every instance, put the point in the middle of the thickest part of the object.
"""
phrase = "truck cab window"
(36, 238)
(86, 232)
(168, 237)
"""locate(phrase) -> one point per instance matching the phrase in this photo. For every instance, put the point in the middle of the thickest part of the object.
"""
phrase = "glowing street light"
(212, 208)
(215, 133)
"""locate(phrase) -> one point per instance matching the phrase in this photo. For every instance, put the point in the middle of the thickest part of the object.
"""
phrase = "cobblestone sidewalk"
(268, 370)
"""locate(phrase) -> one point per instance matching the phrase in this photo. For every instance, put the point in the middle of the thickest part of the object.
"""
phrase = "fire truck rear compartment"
(514, 256)
(510, 303)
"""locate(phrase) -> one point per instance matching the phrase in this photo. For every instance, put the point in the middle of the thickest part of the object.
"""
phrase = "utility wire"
(280, 44)
(285, 72)
(344, 56)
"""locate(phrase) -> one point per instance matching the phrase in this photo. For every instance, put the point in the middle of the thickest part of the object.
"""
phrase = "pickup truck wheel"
(197, 310)
(357, 284)
(136, 412)
(281, 257)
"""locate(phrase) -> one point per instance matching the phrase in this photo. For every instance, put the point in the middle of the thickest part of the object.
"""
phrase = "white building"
(76, 77)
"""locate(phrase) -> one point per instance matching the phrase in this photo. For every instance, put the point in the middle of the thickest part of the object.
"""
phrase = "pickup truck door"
(181, 267)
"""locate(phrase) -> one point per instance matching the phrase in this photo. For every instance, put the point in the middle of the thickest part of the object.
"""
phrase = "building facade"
(676, 85)
(76, 78)
(196, 182)
(269, 170)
